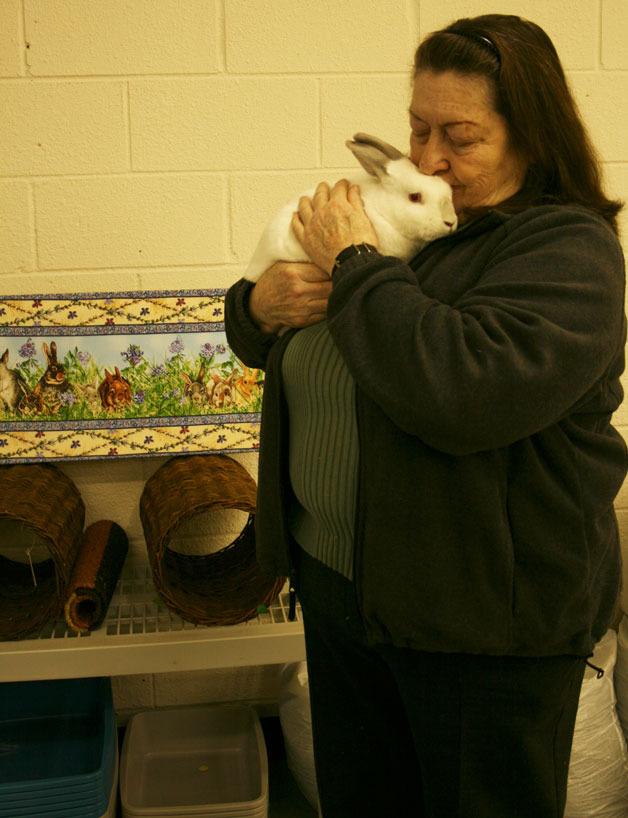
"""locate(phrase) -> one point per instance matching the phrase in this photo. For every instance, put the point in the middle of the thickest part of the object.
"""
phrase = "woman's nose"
(433, 159)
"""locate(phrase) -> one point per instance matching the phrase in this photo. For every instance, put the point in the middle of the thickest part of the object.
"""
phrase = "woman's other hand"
(289, 294)
(331, 221)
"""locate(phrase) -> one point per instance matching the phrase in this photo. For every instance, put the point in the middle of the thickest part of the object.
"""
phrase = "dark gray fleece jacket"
(486, 371)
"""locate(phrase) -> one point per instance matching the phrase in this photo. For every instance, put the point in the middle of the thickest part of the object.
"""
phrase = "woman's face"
(458, 135)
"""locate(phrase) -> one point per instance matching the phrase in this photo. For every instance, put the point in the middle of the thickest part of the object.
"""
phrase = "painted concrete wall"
(143, 144)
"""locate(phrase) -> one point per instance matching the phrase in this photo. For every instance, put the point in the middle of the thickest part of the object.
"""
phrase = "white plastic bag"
(296, 724)
(598, 771)
(621, 675)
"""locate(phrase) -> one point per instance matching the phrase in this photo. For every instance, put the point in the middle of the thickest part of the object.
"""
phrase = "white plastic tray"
(197, 761)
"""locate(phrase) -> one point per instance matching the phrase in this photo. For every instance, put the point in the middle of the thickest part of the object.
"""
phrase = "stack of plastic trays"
(205, 762)
(58, 749)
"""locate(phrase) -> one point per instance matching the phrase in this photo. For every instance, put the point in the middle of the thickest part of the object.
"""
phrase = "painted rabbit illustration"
(220, 391)
(13, 387)
(47, 394)
(248, 384)
(114, 391)
(195, 390)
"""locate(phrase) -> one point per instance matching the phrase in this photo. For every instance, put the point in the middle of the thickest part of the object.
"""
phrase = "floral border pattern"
(137, 374)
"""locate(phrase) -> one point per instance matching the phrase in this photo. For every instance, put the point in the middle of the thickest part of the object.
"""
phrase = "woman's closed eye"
(460, 142)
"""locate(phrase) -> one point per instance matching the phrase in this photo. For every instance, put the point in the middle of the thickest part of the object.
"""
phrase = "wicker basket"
(221, 588)
(46, 504)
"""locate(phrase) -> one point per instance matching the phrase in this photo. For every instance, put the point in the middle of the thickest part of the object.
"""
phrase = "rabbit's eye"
(415, 197)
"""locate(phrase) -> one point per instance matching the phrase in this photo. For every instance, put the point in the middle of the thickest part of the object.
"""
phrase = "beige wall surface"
(144, 144)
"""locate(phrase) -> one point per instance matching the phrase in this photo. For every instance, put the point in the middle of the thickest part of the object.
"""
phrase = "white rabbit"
(406, 207)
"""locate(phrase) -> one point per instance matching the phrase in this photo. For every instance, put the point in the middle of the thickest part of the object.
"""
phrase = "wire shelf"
(141, 634)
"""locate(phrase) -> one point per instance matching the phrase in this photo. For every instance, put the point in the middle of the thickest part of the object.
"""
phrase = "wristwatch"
(353, 250)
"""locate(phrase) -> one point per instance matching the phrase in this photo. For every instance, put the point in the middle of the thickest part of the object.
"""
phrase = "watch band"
(354, 250)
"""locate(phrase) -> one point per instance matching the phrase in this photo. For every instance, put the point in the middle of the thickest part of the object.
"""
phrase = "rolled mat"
(102, 552)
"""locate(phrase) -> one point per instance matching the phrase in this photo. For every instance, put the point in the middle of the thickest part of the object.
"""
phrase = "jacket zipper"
(357, 547)
(292, 572)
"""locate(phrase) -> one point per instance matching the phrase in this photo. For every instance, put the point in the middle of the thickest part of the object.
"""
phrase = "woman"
(437, 464)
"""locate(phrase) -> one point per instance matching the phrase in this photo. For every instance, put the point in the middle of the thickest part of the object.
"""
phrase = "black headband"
(481, 39)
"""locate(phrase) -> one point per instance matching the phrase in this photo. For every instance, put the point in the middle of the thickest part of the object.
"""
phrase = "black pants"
(405, 734)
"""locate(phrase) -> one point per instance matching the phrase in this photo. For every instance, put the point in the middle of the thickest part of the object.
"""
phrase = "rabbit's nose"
(449, 224)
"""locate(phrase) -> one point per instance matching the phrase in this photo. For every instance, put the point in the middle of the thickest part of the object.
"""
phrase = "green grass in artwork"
(181, 386)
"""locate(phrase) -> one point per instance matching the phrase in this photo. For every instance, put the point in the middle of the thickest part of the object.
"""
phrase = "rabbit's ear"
(5, 356)
(186, 378)
(53, 351)
(372, 159)
(388, 150)
(118, 373)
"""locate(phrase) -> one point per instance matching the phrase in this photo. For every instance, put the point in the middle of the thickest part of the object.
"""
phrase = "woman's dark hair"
(531, 93)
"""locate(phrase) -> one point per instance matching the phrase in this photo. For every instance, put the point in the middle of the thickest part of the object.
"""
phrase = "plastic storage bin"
(207, 762)
(58, 749)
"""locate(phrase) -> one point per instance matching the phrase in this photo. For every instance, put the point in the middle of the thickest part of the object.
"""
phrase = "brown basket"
(47, 504)
(222, 588)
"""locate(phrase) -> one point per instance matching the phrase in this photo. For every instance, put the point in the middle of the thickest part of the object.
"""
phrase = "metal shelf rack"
(141, 635)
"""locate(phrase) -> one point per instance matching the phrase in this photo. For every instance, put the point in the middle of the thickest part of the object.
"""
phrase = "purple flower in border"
(184, 430)
(37, 302)
(176, 347)
(109, 321)
(222, 438)
(207, 351)
(2, 311)
(68, 398)
(3, 442)
(148, 439)
(28, 350)
(133, 354)
(75, 444)
(217, 311)
(144, 311)
(40, 434)
(72, 314)
(180, 302)
(112, 452)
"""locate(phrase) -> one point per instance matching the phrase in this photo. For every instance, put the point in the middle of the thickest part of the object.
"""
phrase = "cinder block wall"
(143, 145)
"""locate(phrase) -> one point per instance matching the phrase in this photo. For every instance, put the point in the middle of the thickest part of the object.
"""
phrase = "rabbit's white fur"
(403, 226)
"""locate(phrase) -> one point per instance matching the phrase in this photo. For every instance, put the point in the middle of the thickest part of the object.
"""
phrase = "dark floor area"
(286, 799)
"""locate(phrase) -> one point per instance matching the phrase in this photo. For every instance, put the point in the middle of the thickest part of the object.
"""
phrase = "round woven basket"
(221, 588)
(45, 505)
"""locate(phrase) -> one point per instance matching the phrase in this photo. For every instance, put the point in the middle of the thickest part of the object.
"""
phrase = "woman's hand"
(330, 221)
(289, 294)
(294, 294)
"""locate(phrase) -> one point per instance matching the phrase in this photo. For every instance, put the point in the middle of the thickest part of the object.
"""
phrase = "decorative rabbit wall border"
(97, 375)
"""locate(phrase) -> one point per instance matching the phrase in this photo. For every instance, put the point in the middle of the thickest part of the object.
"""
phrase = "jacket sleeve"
(244, 337)
(540, 326)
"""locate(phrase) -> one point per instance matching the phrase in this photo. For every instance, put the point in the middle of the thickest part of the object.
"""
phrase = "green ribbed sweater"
(323, 450)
